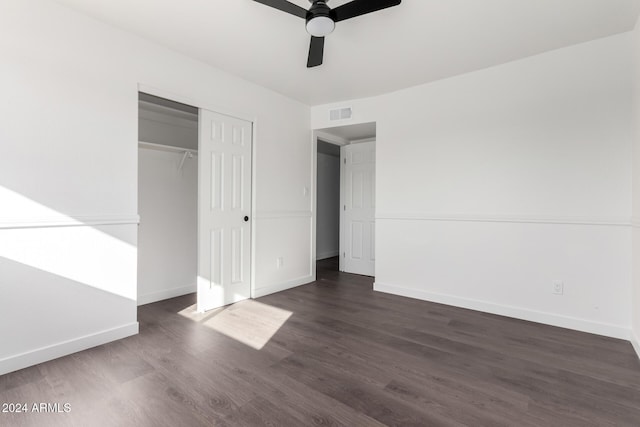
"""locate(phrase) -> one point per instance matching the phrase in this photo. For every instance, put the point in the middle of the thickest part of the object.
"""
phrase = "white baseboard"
(44, 354)
(583, 325)
(272, 289)
(325, 255)
(166, 294)
(635, 342)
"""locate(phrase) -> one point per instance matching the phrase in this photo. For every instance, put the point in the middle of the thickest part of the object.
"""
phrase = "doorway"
(348, 181)
(328, 201)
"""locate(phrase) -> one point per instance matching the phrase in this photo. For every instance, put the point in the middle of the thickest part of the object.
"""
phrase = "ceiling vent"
(340, 114)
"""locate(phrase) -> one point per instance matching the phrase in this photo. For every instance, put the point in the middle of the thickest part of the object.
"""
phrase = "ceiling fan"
(321, 19)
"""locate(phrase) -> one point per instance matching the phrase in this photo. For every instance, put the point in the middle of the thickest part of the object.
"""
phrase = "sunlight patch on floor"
(249, 322)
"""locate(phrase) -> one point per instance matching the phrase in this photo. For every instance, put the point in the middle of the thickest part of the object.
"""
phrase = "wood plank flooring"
(335, 353)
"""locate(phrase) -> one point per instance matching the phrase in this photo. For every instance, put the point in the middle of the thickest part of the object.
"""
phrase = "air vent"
(340, 114)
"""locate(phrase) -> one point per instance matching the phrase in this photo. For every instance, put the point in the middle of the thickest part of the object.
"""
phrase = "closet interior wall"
(167, 199)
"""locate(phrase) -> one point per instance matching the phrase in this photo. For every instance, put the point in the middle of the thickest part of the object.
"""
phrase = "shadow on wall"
(83, 255)
(65, 284)
(40, 308)
(103, 257)
(20, 212)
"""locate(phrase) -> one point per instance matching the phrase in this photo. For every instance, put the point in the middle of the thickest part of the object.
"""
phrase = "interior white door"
(358, 164)
(224, 208)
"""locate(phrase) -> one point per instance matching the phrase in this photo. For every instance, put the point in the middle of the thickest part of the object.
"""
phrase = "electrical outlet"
(279, 262)
(558, 287)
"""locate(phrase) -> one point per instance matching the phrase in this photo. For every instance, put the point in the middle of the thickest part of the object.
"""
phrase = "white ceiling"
(416, 42)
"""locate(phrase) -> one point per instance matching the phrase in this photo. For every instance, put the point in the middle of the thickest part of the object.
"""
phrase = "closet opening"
(167, 198)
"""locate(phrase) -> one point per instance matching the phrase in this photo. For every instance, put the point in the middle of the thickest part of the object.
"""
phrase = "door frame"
(201, 103)
(336, 140)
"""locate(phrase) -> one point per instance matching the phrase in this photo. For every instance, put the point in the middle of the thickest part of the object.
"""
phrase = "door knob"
(246, 218)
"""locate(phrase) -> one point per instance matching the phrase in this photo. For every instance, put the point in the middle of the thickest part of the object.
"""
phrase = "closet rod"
(162, 147)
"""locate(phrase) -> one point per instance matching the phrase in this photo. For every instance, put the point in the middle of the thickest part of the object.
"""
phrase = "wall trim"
(68, 221)
(567, 322)
(635, 342)
(148, 298)
(328, 254)
(283, 214)
(64, 348)
(272, 289)
(530, 219)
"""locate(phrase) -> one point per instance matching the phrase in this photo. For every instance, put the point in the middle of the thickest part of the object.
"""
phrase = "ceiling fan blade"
(360, 7)
(316, 51)
(285, 6)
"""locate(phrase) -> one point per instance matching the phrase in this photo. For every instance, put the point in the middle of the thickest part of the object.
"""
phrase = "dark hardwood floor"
(335, 353)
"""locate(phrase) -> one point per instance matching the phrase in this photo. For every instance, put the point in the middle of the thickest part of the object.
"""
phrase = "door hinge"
(344, 254)
(345, 207)
(345, 160)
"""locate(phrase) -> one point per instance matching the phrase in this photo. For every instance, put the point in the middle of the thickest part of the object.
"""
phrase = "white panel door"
(358, 164)
(224, 207)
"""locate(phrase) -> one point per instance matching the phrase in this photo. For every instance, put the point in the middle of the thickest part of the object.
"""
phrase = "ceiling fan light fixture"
(321, 20)
(320, 26)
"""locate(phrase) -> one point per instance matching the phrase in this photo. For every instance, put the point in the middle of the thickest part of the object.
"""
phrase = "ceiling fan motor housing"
(317, 9)
(319, 21)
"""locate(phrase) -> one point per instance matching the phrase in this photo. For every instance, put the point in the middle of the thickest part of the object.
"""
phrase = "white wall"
(167, 236)
(328, 214)
(69, 155)
(636, 191)
(494, 184)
